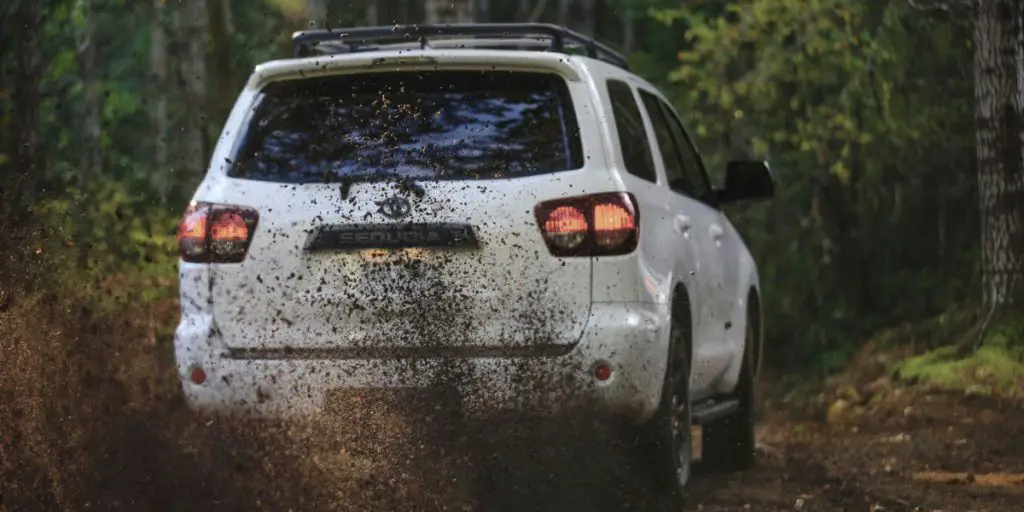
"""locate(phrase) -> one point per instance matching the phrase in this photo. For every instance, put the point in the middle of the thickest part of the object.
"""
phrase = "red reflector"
(602, 372)
(198, 375)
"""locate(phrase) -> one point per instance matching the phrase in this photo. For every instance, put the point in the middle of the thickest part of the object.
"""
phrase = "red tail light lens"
(216, 233)
(566, 227)
(613, 224)
(595, 225)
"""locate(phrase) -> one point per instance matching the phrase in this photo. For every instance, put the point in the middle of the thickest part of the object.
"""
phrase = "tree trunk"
(223, 91)
(91, 154)
(997, 72)
(523, 10)
(193, 63)
(589, 25)
(628, 29)
(316, 12)
(563, 12)
(449, 11)
(158, 92)
(17, 182)
(483, 11)
(372, 14)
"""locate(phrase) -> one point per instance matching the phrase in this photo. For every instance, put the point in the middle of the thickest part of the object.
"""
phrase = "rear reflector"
(604, 224)
(197, 375)
(216, 233)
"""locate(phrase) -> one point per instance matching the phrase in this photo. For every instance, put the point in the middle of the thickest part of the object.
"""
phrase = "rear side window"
(680, 178)
(692, 165)
(636, 149)
(419, 125)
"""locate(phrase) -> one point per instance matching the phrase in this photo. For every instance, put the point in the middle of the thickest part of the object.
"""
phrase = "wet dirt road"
(920, 453)
(916, 452)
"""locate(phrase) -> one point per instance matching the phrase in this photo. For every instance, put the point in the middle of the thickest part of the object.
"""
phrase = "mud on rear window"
(418, 125)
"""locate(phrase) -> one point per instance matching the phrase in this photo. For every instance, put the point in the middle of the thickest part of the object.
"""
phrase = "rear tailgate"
(396, 218)
(505, 292)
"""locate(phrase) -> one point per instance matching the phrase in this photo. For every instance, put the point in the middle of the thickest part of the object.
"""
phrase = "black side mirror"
(746, 180)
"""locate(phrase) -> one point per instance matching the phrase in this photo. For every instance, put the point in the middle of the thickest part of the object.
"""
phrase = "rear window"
(418, 125)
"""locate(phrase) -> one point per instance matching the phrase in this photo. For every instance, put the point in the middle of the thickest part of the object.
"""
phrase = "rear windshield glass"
(418, 125)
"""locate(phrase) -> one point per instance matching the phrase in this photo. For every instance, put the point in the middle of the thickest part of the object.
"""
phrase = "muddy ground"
(92, 422)
(944, 453)
(917, 452)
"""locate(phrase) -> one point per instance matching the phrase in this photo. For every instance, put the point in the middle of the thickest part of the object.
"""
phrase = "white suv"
(394, 208)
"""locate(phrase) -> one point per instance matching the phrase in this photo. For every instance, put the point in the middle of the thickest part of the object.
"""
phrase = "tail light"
(596, 225)
(216, 233)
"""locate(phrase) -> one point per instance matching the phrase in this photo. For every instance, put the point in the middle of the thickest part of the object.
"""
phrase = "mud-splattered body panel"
(341, 288)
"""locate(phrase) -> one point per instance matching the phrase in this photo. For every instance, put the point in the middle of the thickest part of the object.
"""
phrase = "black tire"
(669, 430)
(728, 444)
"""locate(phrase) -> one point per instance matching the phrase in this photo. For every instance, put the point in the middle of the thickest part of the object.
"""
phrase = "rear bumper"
(631, 338)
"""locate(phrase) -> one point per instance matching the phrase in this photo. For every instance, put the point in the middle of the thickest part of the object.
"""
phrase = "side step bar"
(711, 410)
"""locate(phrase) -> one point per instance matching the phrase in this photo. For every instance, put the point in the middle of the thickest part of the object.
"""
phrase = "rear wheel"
(669, 431)
(728, 444)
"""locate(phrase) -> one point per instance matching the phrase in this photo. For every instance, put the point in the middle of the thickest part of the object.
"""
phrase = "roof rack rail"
(491, 35)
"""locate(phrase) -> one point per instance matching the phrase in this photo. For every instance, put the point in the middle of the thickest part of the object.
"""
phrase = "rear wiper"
(404, 183)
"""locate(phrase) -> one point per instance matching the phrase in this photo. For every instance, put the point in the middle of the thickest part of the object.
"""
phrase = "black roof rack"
(489, 35)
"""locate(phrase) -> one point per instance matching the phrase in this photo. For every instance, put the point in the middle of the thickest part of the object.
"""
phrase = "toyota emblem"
(394, 207)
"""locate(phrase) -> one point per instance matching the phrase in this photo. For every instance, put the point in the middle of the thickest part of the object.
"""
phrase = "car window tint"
(678, 179)
(688, 152)
(636, 148)
(421, 125)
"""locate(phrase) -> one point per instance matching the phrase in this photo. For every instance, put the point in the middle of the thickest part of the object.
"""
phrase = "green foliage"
(862, 109)
(120, 254)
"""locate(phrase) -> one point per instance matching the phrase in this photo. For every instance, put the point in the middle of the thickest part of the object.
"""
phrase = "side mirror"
(746, 180)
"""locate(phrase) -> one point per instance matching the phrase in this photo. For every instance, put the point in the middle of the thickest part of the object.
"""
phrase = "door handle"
(681, 224)
(716, 232)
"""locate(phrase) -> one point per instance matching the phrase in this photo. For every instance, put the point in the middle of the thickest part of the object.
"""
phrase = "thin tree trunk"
(158, 91)
(997, 48)
(589, 25)
(523, 10)
(91, 154)
(372, 14)
(628, 29)
(193, 63)
(223, 92)
(483, 11)
(449, 11)
(316, 12)
(229, 23)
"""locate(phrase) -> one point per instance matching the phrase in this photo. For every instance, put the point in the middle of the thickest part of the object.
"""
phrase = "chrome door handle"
(681, 224)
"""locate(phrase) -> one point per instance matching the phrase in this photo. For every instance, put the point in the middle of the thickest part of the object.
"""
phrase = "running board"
(711, 410)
